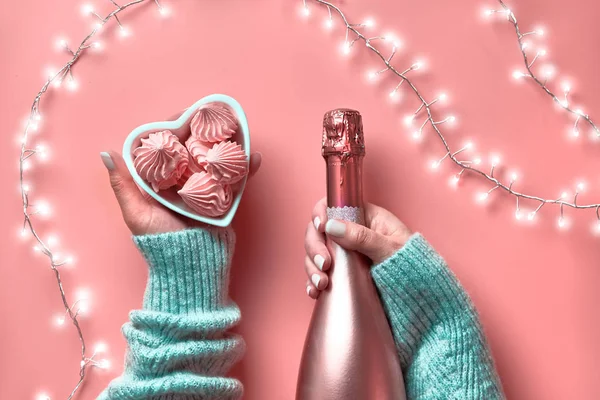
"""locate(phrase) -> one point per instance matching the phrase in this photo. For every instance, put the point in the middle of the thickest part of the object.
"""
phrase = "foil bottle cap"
(343, 133)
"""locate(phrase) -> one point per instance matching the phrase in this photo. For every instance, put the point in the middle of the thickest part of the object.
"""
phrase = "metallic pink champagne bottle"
(349, 351)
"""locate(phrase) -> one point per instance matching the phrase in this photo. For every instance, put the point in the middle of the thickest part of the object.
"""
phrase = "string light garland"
(547, 70)
(353, 35)
(40, 208)
(357, 33)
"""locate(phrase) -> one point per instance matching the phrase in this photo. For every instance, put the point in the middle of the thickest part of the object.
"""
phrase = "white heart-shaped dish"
(180, 127)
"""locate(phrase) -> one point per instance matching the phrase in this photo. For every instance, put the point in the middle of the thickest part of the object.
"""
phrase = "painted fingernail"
(335, 228)
(319, 261)
(308, 289)
(317, 222)
(316, 279)
(107, 161)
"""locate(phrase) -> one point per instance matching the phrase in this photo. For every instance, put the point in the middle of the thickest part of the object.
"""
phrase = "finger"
(316, 250)
(126, 191)
(319, 215)
(356, 237)
(255, 162)
(319, 279)
(311, 291)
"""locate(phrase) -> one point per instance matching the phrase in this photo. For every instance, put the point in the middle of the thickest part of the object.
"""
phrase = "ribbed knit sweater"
(179, 347)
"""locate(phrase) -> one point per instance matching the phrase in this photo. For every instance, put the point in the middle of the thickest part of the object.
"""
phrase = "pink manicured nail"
(335, 228)
(107, 160)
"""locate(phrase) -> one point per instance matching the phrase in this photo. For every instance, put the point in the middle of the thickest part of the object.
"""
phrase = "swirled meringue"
(161, 160)
(213, 122)
(191, 169)
(197, 149)
(206, 196)
(226, 162)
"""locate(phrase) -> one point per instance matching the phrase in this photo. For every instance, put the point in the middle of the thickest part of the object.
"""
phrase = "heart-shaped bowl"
(181, 128)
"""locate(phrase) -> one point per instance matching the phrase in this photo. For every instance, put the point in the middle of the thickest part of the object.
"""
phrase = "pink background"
(536, 287)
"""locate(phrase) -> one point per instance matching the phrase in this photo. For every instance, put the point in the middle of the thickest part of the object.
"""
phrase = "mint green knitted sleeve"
(442, 347)
(178, 343)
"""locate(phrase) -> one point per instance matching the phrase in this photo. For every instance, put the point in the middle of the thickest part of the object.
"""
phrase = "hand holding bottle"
(383, 235)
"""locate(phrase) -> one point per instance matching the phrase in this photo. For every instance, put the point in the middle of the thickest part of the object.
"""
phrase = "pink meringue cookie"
(226, 162)
(197, 148)
(191, 169)
(206, 196)
(213, 122)
(161, 160)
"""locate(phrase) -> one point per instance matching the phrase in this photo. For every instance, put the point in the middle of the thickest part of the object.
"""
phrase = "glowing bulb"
(69, 260)
(408, 120)
(346, 47)
(514, 176)
(469, 145)
(580, 187)
(33, 126)
(394, 94)
(563, 195)
(566, 86)
(596, 228)
(518, 74)
(42, 151)
(477, 161)
(392, 38)
(580, 112)
(42, 396)
(495, 161)
(548, 71)
(372, 75)
(97, 46)
(524, 45)
(103, 364)
(59, 320)
(166, 11)
(518, 214)
(416, 135)
(43, 208)
(540, 31)
(562, 223)
(488, 13)
(87, 9)
(26, 165)
(455, 179)
(531, 216)
(52, 240)
(418, 65)
(83, 297)
(435, 164)
(443, 97)
(50, 72)
(100, 347)
(483, 196)
(61, 44)
(72, 85)
(36, 249)
(124, 31)
(575, 132)
(452, 119)
(542, 52)
(23, 232)
(37, 117)
(329, 23)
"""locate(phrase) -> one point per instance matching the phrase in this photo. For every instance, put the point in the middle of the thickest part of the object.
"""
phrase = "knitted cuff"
(188, 270)
(418, 291)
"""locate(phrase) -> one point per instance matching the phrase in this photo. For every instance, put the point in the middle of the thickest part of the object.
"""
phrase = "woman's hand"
(142, 214)
(382, 236)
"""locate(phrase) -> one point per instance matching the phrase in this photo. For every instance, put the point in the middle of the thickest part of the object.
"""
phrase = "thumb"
(356, 237)
(126, 191)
